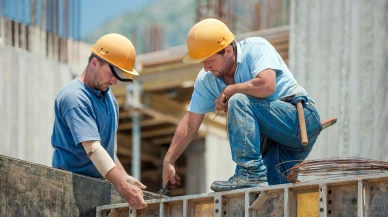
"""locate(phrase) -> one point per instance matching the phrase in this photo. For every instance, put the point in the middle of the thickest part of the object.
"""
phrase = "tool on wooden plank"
(168, 186)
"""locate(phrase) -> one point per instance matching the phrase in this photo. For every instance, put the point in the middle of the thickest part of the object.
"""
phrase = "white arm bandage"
(100, 158)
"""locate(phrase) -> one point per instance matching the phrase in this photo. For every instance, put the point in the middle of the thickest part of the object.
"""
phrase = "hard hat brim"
(122, 74)
(133, 72)
(188, 59)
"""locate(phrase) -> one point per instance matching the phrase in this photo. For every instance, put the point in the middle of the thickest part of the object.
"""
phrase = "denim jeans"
(248, 117)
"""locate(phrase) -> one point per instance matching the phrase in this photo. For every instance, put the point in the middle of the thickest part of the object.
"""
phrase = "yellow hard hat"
(207, 38)
(119, 52)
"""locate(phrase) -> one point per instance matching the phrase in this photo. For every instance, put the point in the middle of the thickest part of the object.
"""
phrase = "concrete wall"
(339, 53)
(208, 160)
(28, 189)
(218, 158)
(28, 86)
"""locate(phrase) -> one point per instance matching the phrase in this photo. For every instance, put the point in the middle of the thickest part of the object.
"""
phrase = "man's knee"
(238, 99)
(244, 99)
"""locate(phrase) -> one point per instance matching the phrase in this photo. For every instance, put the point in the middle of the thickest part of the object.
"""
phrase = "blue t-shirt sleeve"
(82, 124)
(261, 56)
(201, 100)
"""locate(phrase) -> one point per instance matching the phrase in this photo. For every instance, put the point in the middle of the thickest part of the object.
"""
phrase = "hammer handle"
(302, 123)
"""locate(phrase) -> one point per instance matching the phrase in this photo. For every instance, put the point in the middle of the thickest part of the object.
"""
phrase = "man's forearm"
(120, 166)
(262, 86)
(253, 87)
(182, 137)
(114, 176)
(178, 144)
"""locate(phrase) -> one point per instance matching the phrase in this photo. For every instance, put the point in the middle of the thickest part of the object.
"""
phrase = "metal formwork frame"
(361, 196)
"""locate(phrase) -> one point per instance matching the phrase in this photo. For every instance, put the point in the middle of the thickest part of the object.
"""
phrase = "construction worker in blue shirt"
(246, 80)
(86, 118)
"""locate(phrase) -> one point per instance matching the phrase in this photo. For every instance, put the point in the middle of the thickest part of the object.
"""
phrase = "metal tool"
(166, 188)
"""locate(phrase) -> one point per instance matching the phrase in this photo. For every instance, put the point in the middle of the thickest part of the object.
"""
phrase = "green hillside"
(175, 18)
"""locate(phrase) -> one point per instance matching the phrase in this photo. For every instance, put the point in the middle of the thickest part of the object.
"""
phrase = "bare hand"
(133, 195)
(170, 175)
(132, 180)
(222, 102)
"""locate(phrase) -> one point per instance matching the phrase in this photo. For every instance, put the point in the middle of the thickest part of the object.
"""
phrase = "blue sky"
(96, 12)
(92, 12)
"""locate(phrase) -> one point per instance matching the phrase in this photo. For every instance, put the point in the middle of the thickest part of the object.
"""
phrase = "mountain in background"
(162, 24)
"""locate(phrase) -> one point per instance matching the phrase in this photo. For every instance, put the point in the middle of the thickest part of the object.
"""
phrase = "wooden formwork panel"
(360, 196)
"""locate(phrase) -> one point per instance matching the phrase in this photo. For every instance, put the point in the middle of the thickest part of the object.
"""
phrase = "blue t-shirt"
(83, 114)
(254, 55)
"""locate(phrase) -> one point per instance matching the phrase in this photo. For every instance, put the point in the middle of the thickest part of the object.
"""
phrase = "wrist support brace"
(99, 156)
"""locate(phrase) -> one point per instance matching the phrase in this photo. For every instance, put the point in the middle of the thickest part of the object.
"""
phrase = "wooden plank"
(144, 123)
(156, 115)
(159, 132)
(161, 140)
(143, 156)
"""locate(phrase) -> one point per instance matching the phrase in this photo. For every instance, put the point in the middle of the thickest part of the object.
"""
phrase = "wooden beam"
(156, 174)
(167, 139)
(161, 140)
(145, 123)
(162, 77)
(159, 132)
(155, 114)
(176, 53)
(166, 105)
(150, 134)
(144, 156)
(164, 69)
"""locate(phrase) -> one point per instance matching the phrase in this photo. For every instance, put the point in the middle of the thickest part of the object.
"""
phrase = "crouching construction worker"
(247, 80)
(86, 118)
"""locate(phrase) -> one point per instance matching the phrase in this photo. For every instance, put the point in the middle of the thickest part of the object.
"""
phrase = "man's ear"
(94, 62)
(229, 49)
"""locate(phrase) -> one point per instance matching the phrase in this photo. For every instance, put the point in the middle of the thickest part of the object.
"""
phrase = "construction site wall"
(339, 53)
(28, 86)
(28, 189)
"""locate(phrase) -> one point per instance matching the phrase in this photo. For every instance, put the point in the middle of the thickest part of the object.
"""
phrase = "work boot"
(235, 182)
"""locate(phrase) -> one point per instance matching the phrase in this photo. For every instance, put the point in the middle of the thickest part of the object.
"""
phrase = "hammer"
(302, 123)
(299, 107)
